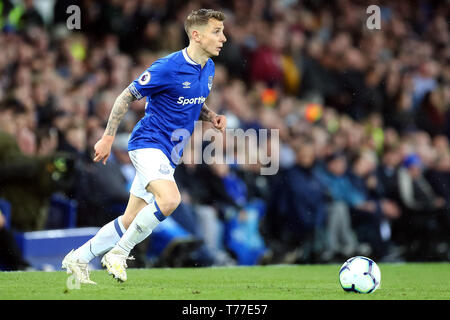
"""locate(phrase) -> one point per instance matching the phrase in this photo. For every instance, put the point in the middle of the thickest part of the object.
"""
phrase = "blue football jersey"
(176, 88)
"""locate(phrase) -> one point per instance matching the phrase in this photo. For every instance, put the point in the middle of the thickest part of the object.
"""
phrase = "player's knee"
(167, 205)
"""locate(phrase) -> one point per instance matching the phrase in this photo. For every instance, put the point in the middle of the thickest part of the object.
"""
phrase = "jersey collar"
(187, 58)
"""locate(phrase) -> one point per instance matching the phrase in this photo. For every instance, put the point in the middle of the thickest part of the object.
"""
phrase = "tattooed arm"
(103, 147)
(120, 108)
(219, 121)
(207, 114)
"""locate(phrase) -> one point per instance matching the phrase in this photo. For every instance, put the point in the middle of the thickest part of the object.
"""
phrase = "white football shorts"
(151, 164)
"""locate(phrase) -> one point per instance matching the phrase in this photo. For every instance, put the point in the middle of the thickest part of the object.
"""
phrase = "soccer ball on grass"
(360, 274)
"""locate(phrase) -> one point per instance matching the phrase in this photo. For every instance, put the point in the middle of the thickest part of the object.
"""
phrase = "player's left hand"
(220, 122)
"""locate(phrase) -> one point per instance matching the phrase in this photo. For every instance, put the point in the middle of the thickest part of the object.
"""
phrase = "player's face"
(212, 37)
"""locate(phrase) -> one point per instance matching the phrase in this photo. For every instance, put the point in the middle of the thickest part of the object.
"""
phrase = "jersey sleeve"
(154, 79)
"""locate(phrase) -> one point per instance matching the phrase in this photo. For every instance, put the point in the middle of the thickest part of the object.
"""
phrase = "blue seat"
(45, 249)
(62, 212)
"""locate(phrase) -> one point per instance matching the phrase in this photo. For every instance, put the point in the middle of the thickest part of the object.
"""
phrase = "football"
(360, 274)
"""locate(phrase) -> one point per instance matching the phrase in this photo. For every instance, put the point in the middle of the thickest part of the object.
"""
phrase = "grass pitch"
(283, 282)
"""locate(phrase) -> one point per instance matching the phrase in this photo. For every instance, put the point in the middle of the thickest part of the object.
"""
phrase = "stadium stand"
(372, 105)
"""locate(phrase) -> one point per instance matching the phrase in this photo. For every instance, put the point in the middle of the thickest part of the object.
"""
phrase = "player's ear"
(195, 35)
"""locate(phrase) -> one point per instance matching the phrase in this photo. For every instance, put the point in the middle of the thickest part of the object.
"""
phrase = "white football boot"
(115, 262)
(78, 269)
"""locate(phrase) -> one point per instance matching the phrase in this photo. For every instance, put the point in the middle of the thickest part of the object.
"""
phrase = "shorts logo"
(210, 81)
(144, 78)
(164, 169)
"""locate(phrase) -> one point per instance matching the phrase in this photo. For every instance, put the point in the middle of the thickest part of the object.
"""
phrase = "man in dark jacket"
(301, 208)
(27, 181)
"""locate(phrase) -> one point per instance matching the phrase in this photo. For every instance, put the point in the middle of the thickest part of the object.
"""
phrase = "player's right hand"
(102, 149)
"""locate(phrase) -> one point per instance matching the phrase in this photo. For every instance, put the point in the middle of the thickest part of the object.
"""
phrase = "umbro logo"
(186, 85)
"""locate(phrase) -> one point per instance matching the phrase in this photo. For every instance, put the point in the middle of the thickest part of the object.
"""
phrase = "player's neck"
(198, 55)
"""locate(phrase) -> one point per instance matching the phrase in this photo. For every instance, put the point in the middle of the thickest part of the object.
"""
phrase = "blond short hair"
(201, 17)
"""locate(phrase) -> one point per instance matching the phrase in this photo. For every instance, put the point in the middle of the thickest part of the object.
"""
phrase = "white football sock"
(142, 226)
(105, 239)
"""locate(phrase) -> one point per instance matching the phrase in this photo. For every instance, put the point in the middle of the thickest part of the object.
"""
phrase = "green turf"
(286, 282)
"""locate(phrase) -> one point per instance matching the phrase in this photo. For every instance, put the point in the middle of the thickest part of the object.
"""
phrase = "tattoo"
(206, 114)
(118, 111)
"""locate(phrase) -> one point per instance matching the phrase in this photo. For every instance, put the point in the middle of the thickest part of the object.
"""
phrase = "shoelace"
(85, 270)
(128, 258)
(124, 261)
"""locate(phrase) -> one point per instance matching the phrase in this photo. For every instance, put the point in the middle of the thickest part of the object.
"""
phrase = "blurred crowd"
(363, 118)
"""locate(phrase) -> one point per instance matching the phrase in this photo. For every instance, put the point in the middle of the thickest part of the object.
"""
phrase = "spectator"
(370, 219)
(100, 188)
(343, 196)
(27, 180)
(425, 222)
(301, 208)
(386, 172)
(439, 174)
